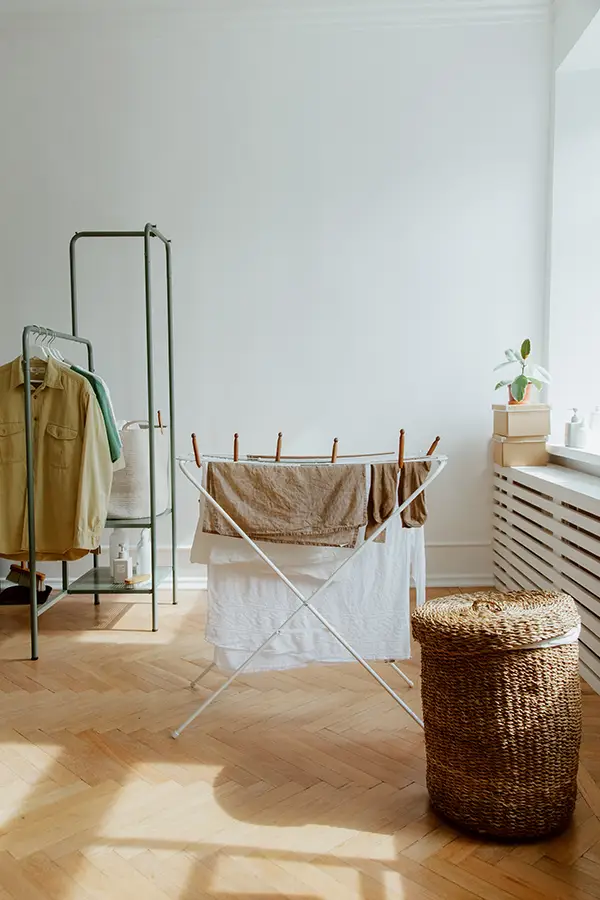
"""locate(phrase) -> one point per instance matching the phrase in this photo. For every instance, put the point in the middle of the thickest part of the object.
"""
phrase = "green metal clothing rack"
(98, 580)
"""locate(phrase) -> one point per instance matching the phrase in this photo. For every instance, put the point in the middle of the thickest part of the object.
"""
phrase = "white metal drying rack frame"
(308, 603)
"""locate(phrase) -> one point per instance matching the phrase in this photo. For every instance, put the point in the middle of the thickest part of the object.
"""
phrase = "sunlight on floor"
(24, 775)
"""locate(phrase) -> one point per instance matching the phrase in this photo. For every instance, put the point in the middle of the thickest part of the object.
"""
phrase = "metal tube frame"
(304, 601)
(35, 611)
(150, 231)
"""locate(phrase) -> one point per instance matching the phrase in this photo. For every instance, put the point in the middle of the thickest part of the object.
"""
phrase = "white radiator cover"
(546, 536)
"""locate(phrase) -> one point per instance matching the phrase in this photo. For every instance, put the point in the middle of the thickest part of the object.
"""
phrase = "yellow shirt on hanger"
(72, 465)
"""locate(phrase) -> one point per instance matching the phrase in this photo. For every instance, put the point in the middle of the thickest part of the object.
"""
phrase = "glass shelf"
(99, 581)
(136, 523)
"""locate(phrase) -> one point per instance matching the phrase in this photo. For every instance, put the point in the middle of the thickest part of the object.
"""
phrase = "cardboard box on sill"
(527, 420)
(520, 451)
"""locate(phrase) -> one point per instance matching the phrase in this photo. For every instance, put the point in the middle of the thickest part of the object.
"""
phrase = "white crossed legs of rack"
(438, 463)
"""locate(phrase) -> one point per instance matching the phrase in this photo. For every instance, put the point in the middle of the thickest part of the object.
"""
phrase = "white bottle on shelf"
(144, 555)
(570, 429)
(595, 430)
(122, 566)
(577, 433)
(119, 538)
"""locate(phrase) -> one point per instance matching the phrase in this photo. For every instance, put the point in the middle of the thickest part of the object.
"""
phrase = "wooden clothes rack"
(438, 464)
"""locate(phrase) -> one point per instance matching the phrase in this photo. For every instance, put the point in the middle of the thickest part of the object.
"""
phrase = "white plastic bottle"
(595, 430)
(569, 432)
(119, 538)
(144, 555)
(122, 566)
(576, 432)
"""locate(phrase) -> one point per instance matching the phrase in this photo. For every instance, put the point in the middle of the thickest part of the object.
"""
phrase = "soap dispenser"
(576, 432)
(122, 566)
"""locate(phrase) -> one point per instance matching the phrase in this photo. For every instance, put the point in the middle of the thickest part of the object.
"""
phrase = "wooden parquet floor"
(304, 785)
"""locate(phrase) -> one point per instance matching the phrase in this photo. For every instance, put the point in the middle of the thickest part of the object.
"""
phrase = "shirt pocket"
(60, 445)
(12, 442)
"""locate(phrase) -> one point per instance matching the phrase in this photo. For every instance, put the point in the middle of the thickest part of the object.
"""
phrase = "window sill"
(581, 460)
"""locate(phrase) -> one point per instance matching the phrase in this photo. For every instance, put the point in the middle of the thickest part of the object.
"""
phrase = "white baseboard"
(449, 564)
(200, 582)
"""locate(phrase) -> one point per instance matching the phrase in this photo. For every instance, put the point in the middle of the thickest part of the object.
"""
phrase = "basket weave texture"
(502, 724)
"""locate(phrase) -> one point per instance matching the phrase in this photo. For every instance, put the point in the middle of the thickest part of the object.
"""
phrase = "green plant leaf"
(525, 348)
(503, 384)
(536, 383)
(509, 362)
(543, 373)
(532, 370)
(518, 387)
(511, 355)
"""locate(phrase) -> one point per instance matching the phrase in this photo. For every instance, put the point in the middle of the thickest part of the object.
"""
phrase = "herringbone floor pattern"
(304, 785)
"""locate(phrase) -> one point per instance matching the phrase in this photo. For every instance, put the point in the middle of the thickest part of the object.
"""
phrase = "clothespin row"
(334, 450)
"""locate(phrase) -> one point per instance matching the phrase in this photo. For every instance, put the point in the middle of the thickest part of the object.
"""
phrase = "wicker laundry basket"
(502, 724)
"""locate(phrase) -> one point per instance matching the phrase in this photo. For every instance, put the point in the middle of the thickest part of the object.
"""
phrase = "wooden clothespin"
(433, 447)
(401, 449)
(196, 451)
(334, 450)
(278, 450)
(160, 423)
(236, 447)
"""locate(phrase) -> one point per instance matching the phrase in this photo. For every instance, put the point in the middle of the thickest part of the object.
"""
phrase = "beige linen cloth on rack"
(386, 487)
(413, 475)
(382, 497)
(316, 505)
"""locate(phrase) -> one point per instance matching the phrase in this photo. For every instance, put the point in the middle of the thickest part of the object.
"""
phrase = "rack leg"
(204, 672)
(397, 669)
(151, 414)
(29, 439)
(172, 434)
(96, 596)
(33, 615)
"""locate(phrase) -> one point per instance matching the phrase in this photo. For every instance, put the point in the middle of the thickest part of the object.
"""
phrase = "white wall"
(356, 204)
(575, 308)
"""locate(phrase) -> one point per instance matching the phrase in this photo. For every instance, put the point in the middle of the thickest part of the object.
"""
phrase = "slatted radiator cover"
(546, 535)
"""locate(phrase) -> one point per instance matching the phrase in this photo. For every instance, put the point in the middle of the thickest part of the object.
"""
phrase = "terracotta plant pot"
(526, 397)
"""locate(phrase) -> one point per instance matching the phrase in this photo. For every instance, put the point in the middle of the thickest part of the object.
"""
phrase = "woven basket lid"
(488, 620)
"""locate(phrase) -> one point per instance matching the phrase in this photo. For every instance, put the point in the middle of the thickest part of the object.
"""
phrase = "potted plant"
(519, 388)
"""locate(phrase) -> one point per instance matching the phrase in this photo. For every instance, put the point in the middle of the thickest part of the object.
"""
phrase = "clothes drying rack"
(438, 464)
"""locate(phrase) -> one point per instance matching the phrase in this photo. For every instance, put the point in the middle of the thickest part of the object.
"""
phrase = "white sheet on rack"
(368, 603)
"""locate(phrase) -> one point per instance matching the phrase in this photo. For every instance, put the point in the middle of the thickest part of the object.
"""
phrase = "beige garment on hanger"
(72, 465)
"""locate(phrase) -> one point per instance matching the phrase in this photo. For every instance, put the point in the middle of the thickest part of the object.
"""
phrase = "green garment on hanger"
(103, 398)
